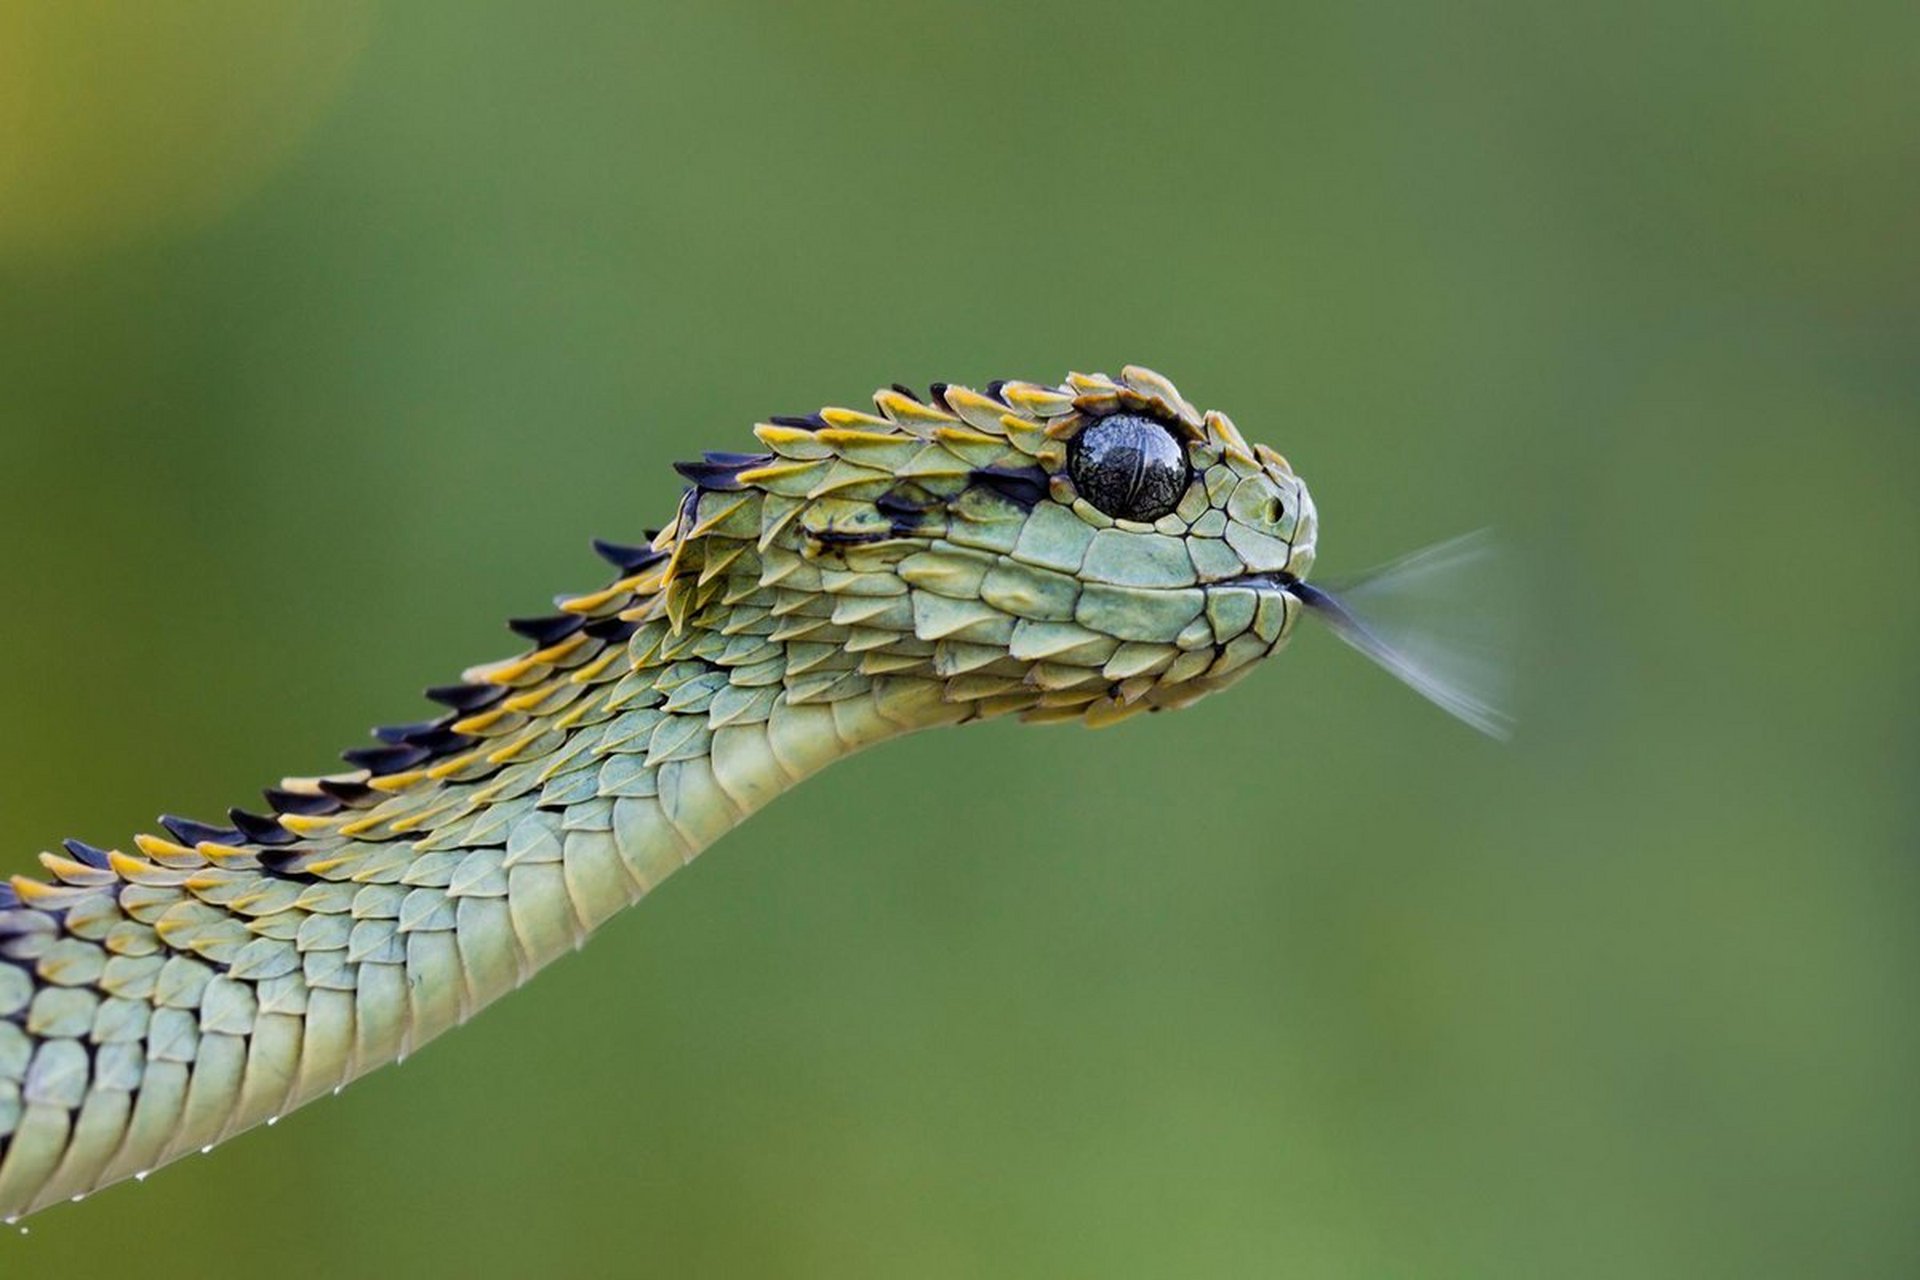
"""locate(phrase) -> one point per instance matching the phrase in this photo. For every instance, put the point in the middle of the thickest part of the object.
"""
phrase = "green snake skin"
(867, 575)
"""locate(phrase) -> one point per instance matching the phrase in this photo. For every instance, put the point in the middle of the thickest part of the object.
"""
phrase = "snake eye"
(1129, 467)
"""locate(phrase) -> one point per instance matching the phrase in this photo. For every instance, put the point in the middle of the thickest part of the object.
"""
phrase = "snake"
(1081, 552)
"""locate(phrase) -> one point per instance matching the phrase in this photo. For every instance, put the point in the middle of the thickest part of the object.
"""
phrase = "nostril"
(1276, 511)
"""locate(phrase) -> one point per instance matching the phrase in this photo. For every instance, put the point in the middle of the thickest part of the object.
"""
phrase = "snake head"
(1082, 551)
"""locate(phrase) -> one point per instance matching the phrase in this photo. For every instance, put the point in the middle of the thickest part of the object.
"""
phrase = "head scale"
(1083, 551)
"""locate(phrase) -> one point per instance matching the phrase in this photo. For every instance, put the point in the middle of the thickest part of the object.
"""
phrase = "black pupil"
(1129, 467)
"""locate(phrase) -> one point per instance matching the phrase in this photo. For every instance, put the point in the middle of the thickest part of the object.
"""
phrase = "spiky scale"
(385, 760)
(466, 698)
(628, 560)
(85, 853)
(259, 830)
(346, 791)
(317, 805)
(546, 631)
(189, 832)
(612, 630)
(801, 422)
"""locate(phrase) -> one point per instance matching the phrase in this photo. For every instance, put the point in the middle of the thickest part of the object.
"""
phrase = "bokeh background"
(329, 331)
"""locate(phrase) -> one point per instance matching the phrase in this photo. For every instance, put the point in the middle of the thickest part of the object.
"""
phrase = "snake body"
(865, 575)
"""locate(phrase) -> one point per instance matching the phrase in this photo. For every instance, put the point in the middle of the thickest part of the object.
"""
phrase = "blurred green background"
(329, 331)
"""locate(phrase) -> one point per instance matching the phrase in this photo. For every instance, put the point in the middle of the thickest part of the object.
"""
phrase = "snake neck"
(158, 1000)
(583, 786)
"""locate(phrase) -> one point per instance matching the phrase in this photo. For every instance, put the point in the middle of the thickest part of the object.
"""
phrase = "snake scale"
(1078, 552)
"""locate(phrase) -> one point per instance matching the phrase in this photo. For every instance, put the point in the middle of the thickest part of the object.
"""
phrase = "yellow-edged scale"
(1079, 552)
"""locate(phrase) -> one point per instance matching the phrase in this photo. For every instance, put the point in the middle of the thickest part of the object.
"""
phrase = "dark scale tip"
(937, 396)
(258, 829)
(719, 472)
(993, 389)
(467, 697)
(546, 631)
(613, 630)
(81, 851)
(907, 391)
(398, 734)
(802, 421)
(294, 802)
(707, 476)
(627, 559)
(285, 863)
(1026, 486)
(347, 792)
(381, 761)
(189, 832)
(441, 740)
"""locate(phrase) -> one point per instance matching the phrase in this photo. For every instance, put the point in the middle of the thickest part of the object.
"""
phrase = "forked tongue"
(1439, 620)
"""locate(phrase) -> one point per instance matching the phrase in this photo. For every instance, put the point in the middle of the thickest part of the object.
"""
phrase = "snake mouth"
(1323, 603)
(1273, 580)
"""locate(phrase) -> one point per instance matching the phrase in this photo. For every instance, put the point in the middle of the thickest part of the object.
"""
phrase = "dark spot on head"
(1023, 486)
(836, 538)
(895, 502)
